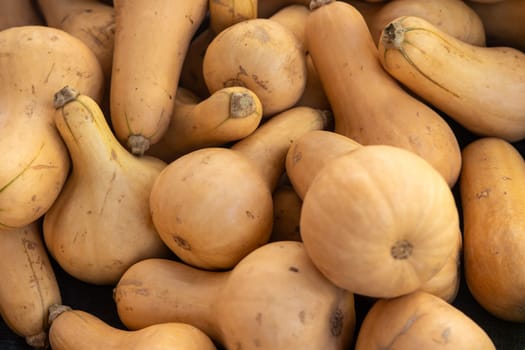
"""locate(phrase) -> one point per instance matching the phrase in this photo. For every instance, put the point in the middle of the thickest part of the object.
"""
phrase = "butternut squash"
(310, 153)
(350, 69)
(29, 285)
(451, 16)
(92, 21)
(464, 81)
(223, 14)
(503, 22)
(379, 221)
(80, 330)
(36, 61)
(299, 309)
(236, 198)
(420, 321)
(261, 55)
(144, 80)
(18, 13)
(445, 283)
(228, 115)
(492, 196)
(100, 223)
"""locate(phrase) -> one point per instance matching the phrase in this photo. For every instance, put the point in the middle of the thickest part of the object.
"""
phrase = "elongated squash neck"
(268, 145)
(75, 329)
(89, 139)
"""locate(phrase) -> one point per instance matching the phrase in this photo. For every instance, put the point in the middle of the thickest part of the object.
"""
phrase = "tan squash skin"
(237, 198)
(310, 153)
(34, 160)
(80, 330)
(230, 114)
(261, 55)
(239, 308)
(286, 214)
(445, 283)
(91, 21)
(225, 13)
(29, 285)
(452, 16)
(151, 40)
(503, 21)
(420, 321)
(493, 198)
(389, 115)
(364, 229)
(294, 18)
(464, 81)
(100, 223)
(18, 13)
(268, 145)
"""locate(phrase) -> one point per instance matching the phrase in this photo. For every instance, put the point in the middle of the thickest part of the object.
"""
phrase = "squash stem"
(64, 96)
(56, 310)
(315, 4)
(138, 144)
(241, 105)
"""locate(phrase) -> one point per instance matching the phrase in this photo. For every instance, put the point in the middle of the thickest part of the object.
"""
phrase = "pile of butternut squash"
(242, 173)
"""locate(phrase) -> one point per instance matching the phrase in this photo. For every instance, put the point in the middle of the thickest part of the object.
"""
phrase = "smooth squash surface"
(492, 187)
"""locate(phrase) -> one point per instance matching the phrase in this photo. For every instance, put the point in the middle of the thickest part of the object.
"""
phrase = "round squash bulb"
(379, 221)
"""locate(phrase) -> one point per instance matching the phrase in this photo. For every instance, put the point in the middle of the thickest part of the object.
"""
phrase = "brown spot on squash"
(483, 194)
(336, 322)
(181, 242)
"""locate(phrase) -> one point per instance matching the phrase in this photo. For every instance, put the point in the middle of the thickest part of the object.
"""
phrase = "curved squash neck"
(267, 146)
(89, 139)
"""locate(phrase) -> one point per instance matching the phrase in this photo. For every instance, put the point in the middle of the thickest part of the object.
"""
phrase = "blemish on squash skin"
(142, 291)
(181, 242)
(445, 336)
(297, 157)
(258, 318)
(250, 215)
(336, 323)
(483, 194)
(302, 316)
(293, 269)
